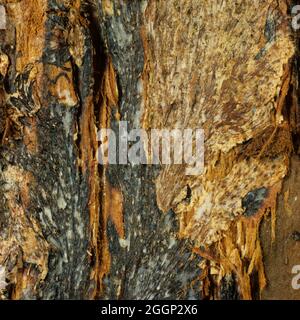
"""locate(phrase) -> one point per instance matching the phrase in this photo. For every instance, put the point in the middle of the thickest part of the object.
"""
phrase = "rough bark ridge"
(46, 166)
(71, 228)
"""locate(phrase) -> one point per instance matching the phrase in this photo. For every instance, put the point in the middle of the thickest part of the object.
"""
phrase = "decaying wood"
(71, 228)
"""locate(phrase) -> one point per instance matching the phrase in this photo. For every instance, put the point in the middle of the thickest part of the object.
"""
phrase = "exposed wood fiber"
(71, 228)
(226, 69)
(217, 81)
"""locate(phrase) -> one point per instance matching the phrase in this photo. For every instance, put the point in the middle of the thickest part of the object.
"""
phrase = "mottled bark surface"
(71, 228)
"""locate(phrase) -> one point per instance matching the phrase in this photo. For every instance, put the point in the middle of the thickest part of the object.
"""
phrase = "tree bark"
(74, 229)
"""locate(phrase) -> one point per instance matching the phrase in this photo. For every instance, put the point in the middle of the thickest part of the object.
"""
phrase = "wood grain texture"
(71, 228)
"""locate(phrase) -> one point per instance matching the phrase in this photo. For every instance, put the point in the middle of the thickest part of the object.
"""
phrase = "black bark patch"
(296, 236)
(253, 201)
(153, 263)
(229, 290)
(270, 29)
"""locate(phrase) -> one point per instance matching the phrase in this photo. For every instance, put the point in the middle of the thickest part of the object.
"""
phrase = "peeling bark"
(74, 229)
